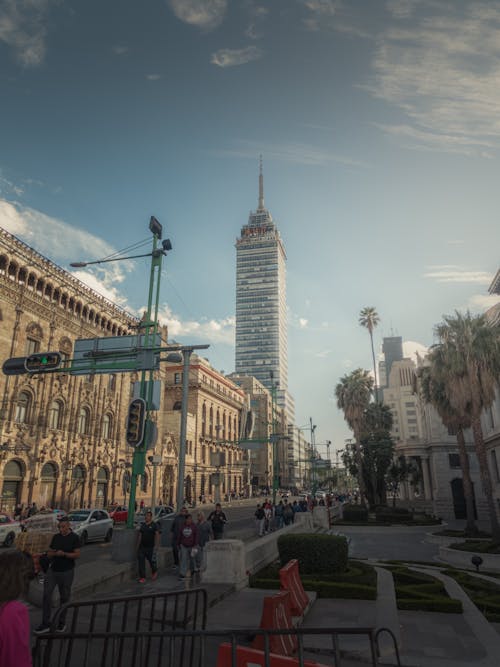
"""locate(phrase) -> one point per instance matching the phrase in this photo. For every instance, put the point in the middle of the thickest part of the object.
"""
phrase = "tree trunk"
(359, 463)
(470, 527)
(374, 369)
(485, 477)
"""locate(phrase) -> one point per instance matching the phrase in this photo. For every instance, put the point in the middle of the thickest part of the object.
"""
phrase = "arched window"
(23, 408)
(55, 414)
(178, 406)
(83, 421)
(106, 426)
(144, 482)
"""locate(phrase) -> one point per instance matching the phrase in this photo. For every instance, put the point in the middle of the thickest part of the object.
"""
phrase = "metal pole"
(182, 438)
(153, 488)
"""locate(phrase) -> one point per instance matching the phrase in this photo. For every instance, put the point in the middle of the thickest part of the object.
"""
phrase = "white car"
(91, 524)
(8, 530)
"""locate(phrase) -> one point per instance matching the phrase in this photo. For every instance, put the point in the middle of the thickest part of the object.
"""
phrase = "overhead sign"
(115, 354)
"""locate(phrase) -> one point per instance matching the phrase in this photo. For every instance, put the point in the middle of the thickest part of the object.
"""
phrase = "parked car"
(119, 513)
(8, 530)
(159, 512)
(91, 524)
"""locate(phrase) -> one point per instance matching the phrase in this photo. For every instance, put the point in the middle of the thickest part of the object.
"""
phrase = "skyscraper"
(261, 314)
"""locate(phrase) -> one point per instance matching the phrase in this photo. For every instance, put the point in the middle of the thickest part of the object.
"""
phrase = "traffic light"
(14, 366)
(42, 362)
(136, 419)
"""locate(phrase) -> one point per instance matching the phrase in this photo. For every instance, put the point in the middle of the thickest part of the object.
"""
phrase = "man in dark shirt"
(218, 519)
(63, 551)
(148, 540)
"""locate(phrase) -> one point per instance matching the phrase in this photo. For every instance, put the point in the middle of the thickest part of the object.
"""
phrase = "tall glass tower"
(261, 313)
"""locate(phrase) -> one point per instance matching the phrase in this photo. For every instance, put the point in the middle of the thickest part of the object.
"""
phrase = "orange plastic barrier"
(250, 657)
(290, 581)
(276, 615)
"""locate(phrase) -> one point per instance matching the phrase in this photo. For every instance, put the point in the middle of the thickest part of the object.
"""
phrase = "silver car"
(92, 524)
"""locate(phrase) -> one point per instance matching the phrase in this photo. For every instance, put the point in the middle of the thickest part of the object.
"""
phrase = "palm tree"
(369, 319)
(432, 386)
(471, 346)
(353, 394)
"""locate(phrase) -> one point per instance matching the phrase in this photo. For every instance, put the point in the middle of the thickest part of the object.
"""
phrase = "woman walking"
(204, 535)
(15, 649)
(188, 545)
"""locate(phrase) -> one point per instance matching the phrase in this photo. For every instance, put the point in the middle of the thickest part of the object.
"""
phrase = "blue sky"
(379, 127)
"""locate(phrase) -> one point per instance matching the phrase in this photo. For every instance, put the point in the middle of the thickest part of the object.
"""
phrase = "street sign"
(115, 354)
(153, 386)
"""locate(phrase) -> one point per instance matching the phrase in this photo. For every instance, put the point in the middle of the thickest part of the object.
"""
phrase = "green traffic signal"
(42, 362)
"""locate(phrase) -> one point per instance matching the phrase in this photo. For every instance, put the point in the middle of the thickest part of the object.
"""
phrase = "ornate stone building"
(61, 436)
(217, 409)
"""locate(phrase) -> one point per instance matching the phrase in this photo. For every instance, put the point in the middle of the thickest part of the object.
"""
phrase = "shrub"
(316, 554)
(354, 513)
(480, 547)
(341, 590)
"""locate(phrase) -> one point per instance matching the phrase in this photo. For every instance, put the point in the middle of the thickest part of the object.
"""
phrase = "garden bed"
(357, 582)
(484, 594)
(417, 591)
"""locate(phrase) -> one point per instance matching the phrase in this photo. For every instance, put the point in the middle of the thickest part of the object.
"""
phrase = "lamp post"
(155, 461)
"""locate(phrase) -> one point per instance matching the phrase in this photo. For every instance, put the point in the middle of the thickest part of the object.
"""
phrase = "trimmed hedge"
(446, 606)
(358, 582)
(354, 513)
(474, 545)
(484, 594)
(317, 554)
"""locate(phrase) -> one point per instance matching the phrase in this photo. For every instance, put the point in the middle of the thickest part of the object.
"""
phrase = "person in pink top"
(15, 644)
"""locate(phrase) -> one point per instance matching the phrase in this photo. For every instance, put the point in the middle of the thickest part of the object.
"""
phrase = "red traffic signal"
(42, 362)
(136, 420)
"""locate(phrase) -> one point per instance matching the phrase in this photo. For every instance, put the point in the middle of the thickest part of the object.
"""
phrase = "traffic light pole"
(150, 327)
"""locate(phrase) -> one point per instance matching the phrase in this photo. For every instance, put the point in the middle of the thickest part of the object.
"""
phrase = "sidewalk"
(425, 639)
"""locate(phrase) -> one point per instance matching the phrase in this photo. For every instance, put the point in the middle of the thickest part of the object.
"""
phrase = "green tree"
(432, 386)
(377, 451)
(353, 394)
(369, 319)
(470, 346)
(400, 471)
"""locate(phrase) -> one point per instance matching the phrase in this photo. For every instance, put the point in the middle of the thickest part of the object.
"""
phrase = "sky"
(378, 123)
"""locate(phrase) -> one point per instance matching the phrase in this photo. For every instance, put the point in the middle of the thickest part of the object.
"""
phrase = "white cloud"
(442, 71)
(120, 50)
(402, 9)
(319, 12)
(413, 350)
(23, 28)
(63, 243)
(323, 354)
(153, 77)
(205, 14)
(456, 274)
(479, 303)
(303, 322)
(235, 57)
(205, 330)
(295, 153)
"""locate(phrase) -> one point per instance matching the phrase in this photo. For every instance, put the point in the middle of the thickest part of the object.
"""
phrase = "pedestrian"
(15, 644)
(188, 543)
(175, 529)
(260, 519)
(148, 541)
(268, 513)
(278, 514)
(218, 520)
(204, 534)
(64, 549)
(141, 505)
(287, 514)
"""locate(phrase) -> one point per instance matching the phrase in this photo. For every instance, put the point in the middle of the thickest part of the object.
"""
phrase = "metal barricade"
(199, 648)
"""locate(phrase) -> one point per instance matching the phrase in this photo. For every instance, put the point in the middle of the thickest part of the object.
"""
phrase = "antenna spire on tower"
(261, 185)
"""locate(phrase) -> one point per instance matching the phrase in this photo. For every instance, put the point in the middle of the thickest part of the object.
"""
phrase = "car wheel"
(109, 535)
(9, 540)
(84, 538)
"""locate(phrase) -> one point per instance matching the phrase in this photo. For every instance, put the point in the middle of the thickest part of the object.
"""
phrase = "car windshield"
(78, 516)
